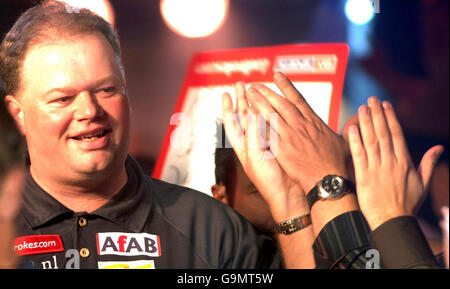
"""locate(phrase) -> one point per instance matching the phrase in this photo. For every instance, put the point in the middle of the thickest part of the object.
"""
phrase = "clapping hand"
(388, 184)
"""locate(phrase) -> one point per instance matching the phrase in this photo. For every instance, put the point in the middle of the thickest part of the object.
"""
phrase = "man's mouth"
(91, 136)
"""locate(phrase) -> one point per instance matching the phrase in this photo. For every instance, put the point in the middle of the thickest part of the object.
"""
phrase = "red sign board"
(187, 155)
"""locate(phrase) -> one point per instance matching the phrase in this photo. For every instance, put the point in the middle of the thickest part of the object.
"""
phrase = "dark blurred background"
(401, 55)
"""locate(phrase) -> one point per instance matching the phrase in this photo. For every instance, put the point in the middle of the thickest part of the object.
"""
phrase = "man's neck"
(83, 196)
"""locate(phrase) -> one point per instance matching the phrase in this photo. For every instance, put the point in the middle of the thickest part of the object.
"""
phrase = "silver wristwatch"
(330, 187)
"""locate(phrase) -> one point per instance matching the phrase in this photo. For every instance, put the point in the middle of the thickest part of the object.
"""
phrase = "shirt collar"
(129, 208)
(38, 207)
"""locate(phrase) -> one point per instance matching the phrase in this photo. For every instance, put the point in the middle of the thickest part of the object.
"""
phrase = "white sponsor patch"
(306, 64)
(139, 264)
(128, 244)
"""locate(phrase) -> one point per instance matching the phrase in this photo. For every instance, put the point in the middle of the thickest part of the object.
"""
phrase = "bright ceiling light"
(102, 8)
(194, 18)
(359, 12)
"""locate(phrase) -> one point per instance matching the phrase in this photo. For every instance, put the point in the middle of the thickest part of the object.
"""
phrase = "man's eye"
(255, 191)
(107, 90)
(63, 99)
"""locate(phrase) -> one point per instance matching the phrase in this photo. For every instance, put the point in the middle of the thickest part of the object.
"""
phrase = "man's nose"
(87, 107)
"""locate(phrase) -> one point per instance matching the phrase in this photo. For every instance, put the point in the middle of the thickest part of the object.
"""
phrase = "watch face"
(332, 187)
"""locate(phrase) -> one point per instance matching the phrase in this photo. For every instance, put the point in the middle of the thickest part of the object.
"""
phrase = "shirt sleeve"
(343, 241)
(402, 244)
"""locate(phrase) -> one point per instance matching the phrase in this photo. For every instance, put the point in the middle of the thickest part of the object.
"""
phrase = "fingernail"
(387, 105)
(278, 76)
(364, 109)
(353, 129)
(373, 100)
(439, 151)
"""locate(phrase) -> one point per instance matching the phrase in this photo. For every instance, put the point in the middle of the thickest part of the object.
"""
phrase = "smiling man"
(74, 112)
(88, 204)
(66, 91)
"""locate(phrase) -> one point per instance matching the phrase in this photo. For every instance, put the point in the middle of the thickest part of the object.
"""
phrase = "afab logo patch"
(128, 244)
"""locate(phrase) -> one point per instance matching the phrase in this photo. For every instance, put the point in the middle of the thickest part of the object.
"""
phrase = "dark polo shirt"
(148, 224)
(154, 224)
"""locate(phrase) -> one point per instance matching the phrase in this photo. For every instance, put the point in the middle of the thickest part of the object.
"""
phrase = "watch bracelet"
(293, 225)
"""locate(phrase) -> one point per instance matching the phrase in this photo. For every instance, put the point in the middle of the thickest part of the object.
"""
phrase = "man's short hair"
(48, 22)
(225, 159)
(225, 170)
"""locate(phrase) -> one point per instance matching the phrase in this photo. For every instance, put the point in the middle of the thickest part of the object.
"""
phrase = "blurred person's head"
(235, 189)
(11, 144)
(11, 180)
(66, 90)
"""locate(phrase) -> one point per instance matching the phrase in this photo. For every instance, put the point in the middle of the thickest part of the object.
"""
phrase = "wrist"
(376, 219)
(311, 182)
(326, 210)
(288, 205)
(332, 196)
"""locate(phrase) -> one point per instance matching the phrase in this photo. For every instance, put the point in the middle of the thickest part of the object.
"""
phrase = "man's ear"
(15, 109)
(219, 193)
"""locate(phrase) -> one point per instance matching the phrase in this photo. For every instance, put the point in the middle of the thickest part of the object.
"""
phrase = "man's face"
(75, 113)
(247, 200)
(242, 196)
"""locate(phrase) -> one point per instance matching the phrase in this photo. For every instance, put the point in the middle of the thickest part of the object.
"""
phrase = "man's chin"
(95, 164)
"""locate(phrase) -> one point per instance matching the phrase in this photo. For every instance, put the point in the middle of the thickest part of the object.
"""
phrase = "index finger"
(241, 100)
(292, 94)
(233, 129)
(398, 139)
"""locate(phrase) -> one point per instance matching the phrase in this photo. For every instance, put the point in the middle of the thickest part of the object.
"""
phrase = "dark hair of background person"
(225, 159)
(48, 22)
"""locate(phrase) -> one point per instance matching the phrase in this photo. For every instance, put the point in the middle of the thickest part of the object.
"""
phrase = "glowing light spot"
(102, 8)
(194, 18)
(359, 12)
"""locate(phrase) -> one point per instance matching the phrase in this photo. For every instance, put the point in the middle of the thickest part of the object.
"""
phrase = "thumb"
(233, 129)
(428, 163)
